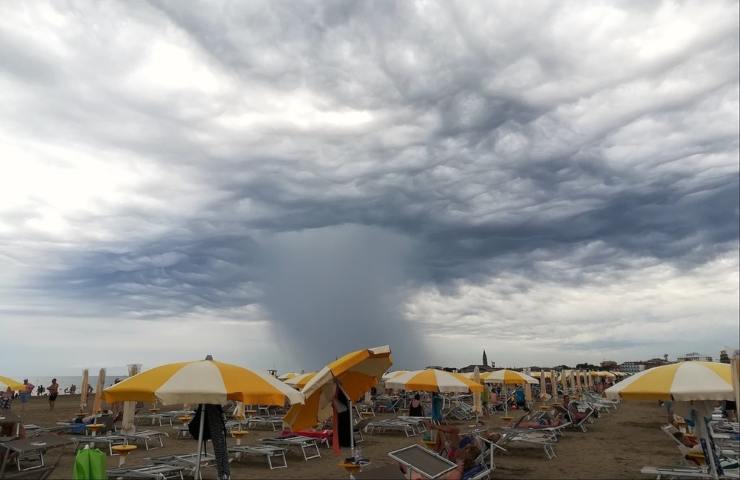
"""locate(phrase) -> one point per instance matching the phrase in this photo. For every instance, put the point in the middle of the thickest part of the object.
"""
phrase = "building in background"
(656, 362)
(723, 357)
(632, 367)
(608, 364)
(694, 357)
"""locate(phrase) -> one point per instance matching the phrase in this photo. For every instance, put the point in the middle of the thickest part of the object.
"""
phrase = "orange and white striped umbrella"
(204, 381)
(685, 381)
(508, 377)
(432, 380)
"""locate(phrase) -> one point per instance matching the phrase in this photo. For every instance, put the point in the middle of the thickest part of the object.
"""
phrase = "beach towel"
(90, 464)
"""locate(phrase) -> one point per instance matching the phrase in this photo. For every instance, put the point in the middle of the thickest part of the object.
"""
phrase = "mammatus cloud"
(408, 171)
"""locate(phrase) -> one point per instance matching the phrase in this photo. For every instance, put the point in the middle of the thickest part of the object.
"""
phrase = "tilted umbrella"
(6, 382)
(300, 380)
(204, 382)
(353, 374)
(698, 382)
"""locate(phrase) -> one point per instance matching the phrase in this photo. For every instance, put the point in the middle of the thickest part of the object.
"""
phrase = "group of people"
(25, 392)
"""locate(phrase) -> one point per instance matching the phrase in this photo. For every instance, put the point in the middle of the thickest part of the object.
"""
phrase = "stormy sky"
(277, 183)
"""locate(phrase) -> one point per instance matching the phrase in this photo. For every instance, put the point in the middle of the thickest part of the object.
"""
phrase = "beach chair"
(419, 423)
(150, 471)
(527, 438)
(269, 452)
(670, 473)
(306, 445)
(145, 436)
(390, 424)
(275, 423)
(426, 463)
(187, 462)
(29, 450)
(109, 440)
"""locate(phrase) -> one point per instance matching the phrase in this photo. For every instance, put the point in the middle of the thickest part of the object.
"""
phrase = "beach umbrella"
(287, 376)
(98, 402)
(700, 383)
(543, 387)
(433, 380)
(507, 377)
(735, 367)
(6, 382)
(129, 408)
(203, 382)
(389, 375)
(579, 387)
(476, 396)
(564, 381)
(353, 374)
(554, 384)
(299, 381)
(83, 390)
(572, 380)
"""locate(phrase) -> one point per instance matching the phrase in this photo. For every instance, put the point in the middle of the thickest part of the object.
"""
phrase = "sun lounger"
(269, 452)
(419, 423)
(29, 450)
(110, 440)
(667, 473)
(322, 436)
(304, 443)
(145, 436)
(187, 461)
(423, 461)
(275, 423)
(153, 472)
(390, 424)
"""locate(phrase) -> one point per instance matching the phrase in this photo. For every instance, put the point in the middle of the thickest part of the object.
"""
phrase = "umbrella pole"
(196, 475)
(351, 430)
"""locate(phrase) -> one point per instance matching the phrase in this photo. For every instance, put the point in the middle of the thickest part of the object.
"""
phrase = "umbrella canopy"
(287, 376)
(684, 381)
(300, 380)
(203, 381)
(508, 377)
(6, 382)
(432, 380)
(388, 375)
(355, 373)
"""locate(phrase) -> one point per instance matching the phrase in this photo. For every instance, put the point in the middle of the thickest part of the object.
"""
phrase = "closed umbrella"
(476, 396)
(554, 384)
(83, 390)
(204, 382)
(98, 402)
(697, 382)
(129, 408)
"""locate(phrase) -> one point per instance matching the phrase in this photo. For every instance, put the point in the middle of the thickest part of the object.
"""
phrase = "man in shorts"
(25, 393)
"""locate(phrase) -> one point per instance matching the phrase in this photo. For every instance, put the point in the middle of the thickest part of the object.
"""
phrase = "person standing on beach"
(53, 390)
(25, 393)
(72, 389)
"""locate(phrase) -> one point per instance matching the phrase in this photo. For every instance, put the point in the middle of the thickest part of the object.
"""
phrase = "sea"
(67, 381)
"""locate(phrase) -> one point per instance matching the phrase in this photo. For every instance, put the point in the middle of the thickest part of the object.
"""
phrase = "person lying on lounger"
(452, 442)
(466, 465)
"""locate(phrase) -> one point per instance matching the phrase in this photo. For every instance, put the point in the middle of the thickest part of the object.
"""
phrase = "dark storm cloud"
(325, 160)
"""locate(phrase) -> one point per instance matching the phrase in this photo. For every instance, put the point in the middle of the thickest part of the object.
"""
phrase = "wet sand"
(616, 446)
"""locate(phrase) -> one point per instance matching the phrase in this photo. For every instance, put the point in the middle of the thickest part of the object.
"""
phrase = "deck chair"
(390, 424)
(109, 440)
(307, 445)
(428, 464)
(145, 436)
(527, 438)
(269, 452)
(275, 423)
(187, 462)
(667, 473)
(150, 471)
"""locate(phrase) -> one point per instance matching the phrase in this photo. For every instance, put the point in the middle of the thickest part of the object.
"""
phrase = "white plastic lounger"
(302, 442)
(269, 452)
(675, 472)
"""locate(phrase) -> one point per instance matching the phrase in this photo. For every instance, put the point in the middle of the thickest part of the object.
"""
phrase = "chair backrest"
(670, 430)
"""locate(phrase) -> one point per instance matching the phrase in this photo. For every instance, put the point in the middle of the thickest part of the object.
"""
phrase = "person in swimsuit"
(53, 390)
(416, 409)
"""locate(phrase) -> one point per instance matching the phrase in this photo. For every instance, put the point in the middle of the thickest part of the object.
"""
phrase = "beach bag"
(90, 464)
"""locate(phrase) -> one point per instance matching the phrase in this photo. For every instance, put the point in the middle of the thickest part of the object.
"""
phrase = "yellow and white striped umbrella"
(432, 380)
(389, 375)
(300, 380)
(204, 381)
(355, 373)
(508, 377)
(6, 382)
(685, 381)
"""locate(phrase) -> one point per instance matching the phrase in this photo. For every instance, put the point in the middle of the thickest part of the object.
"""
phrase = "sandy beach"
(617, 445)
